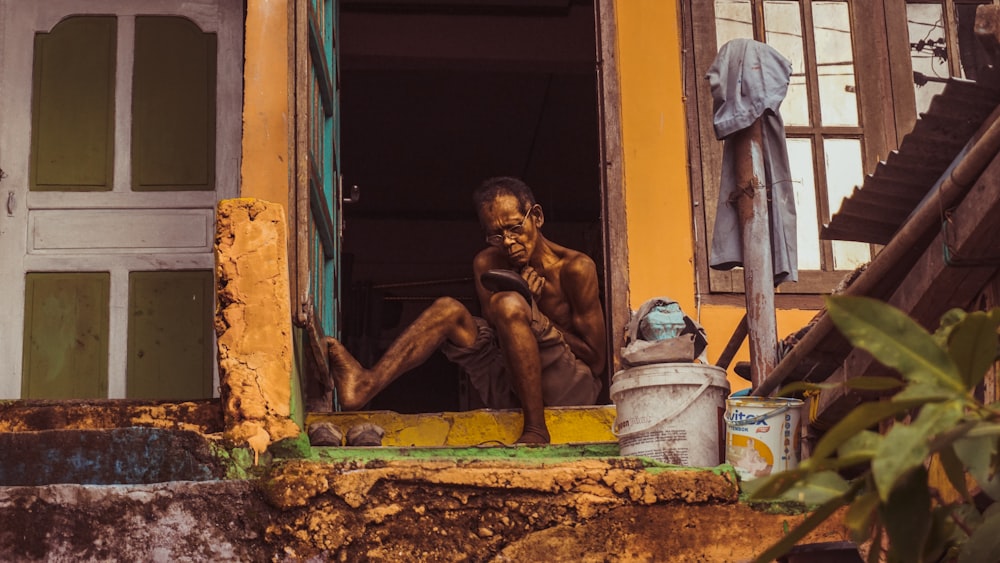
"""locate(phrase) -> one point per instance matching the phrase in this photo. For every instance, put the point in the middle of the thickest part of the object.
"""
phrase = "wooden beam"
(755, 236)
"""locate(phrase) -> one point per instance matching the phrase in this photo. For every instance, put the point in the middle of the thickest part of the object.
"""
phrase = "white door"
(119, 132)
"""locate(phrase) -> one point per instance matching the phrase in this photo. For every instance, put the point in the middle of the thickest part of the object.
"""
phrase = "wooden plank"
(900, 69)
(173, 111)
(615, 232)
(120, 231)
(170, 346)
(65, 336)
(691, 79)
(703, 49)
(72, 145)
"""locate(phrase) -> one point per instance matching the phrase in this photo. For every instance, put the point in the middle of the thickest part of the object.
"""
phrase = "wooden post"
(755, 232)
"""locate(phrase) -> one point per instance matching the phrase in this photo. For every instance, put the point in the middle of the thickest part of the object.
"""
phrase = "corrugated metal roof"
(815, 355)
(876, 210)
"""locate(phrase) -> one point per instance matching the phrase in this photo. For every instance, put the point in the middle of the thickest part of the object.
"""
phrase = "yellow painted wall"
(657, 191)
(267, 159)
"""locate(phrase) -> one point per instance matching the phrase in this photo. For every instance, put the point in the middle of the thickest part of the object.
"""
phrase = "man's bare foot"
(534, 435)
(352, 381)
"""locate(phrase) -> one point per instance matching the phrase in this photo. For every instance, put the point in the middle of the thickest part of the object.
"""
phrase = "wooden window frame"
(882, 66)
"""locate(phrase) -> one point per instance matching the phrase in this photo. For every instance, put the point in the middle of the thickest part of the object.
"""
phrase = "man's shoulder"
(578, 265)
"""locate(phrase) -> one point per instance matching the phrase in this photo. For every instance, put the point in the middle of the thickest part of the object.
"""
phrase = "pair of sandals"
(505, 280)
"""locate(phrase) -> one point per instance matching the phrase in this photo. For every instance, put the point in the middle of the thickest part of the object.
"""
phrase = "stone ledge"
(583, 482)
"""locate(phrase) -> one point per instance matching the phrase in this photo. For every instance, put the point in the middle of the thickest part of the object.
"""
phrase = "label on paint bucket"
(762, 435)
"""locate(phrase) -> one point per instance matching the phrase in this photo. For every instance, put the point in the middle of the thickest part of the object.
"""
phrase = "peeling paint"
(253, 322)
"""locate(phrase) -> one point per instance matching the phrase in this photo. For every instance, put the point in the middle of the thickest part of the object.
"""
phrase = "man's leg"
(511, 316)
(446, 319)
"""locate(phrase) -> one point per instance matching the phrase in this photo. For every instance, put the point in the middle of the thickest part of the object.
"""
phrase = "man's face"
(502, 219)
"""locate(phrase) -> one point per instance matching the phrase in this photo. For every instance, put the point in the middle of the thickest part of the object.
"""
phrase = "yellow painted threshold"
(460, 429)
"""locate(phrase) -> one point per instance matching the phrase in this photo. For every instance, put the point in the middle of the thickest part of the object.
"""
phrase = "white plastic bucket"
(762, 435)
(671, 412)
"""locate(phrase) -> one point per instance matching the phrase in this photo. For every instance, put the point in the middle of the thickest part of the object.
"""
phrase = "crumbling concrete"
(179, 521)
(585, 510)
(204, 416)
(253, 322)
(404, 510)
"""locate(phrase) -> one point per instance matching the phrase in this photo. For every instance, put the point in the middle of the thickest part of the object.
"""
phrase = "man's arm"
(588, 335)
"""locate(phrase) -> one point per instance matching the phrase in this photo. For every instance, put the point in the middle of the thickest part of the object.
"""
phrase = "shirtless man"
(546, 352)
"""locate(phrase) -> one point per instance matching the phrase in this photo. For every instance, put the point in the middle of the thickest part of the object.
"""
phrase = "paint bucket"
(762, 435)
(671, 412)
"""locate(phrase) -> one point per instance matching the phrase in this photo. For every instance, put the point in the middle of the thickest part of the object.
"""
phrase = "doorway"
(436, 96)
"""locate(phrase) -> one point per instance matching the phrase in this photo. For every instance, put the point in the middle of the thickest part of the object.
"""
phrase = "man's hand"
(535, 282)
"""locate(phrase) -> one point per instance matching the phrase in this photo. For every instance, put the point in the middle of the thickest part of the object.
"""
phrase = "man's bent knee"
(509, 306)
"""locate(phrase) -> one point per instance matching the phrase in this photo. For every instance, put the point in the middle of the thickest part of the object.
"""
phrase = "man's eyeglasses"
(513, 231)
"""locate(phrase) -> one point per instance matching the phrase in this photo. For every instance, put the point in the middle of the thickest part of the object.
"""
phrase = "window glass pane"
(733, 19)
(835, 64)
(844, 171)
(928, 51)
(800, 158)
(783, 24)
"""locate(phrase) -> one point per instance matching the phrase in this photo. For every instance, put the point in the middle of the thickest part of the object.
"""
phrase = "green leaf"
(789, 540)
(862, 513)
(905, 447)
(973, 347)
(800, 386)
(948, 321)
(817, 488)
(984, 429)
(902, 451)
(968, 516)
(907, 517)
(927, 392)
(984, 544)
(955, 471)
(979, 453)
(893, 338)
(941, 536)
(774, 485)
(861, 447)
(860, 418)
(873, 383)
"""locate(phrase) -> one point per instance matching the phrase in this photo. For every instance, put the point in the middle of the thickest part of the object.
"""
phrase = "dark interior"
(435, 97)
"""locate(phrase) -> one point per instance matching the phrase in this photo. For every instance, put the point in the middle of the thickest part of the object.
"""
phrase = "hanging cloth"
(749, 80)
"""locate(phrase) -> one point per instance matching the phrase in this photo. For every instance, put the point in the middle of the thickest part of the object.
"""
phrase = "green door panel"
(73, 100)
(170, 335)
(65, 336)
(173, 106)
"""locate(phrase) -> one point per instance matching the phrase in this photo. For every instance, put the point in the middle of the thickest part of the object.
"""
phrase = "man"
(542, 349)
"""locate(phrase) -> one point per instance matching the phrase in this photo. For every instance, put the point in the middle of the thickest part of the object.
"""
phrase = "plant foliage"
(934, 415)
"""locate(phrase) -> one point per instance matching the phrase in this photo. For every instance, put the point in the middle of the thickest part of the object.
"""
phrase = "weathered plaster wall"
(253, 322)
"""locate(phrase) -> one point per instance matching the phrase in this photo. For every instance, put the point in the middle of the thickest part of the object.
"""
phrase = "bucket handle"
(694, 396)
(759, 417)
